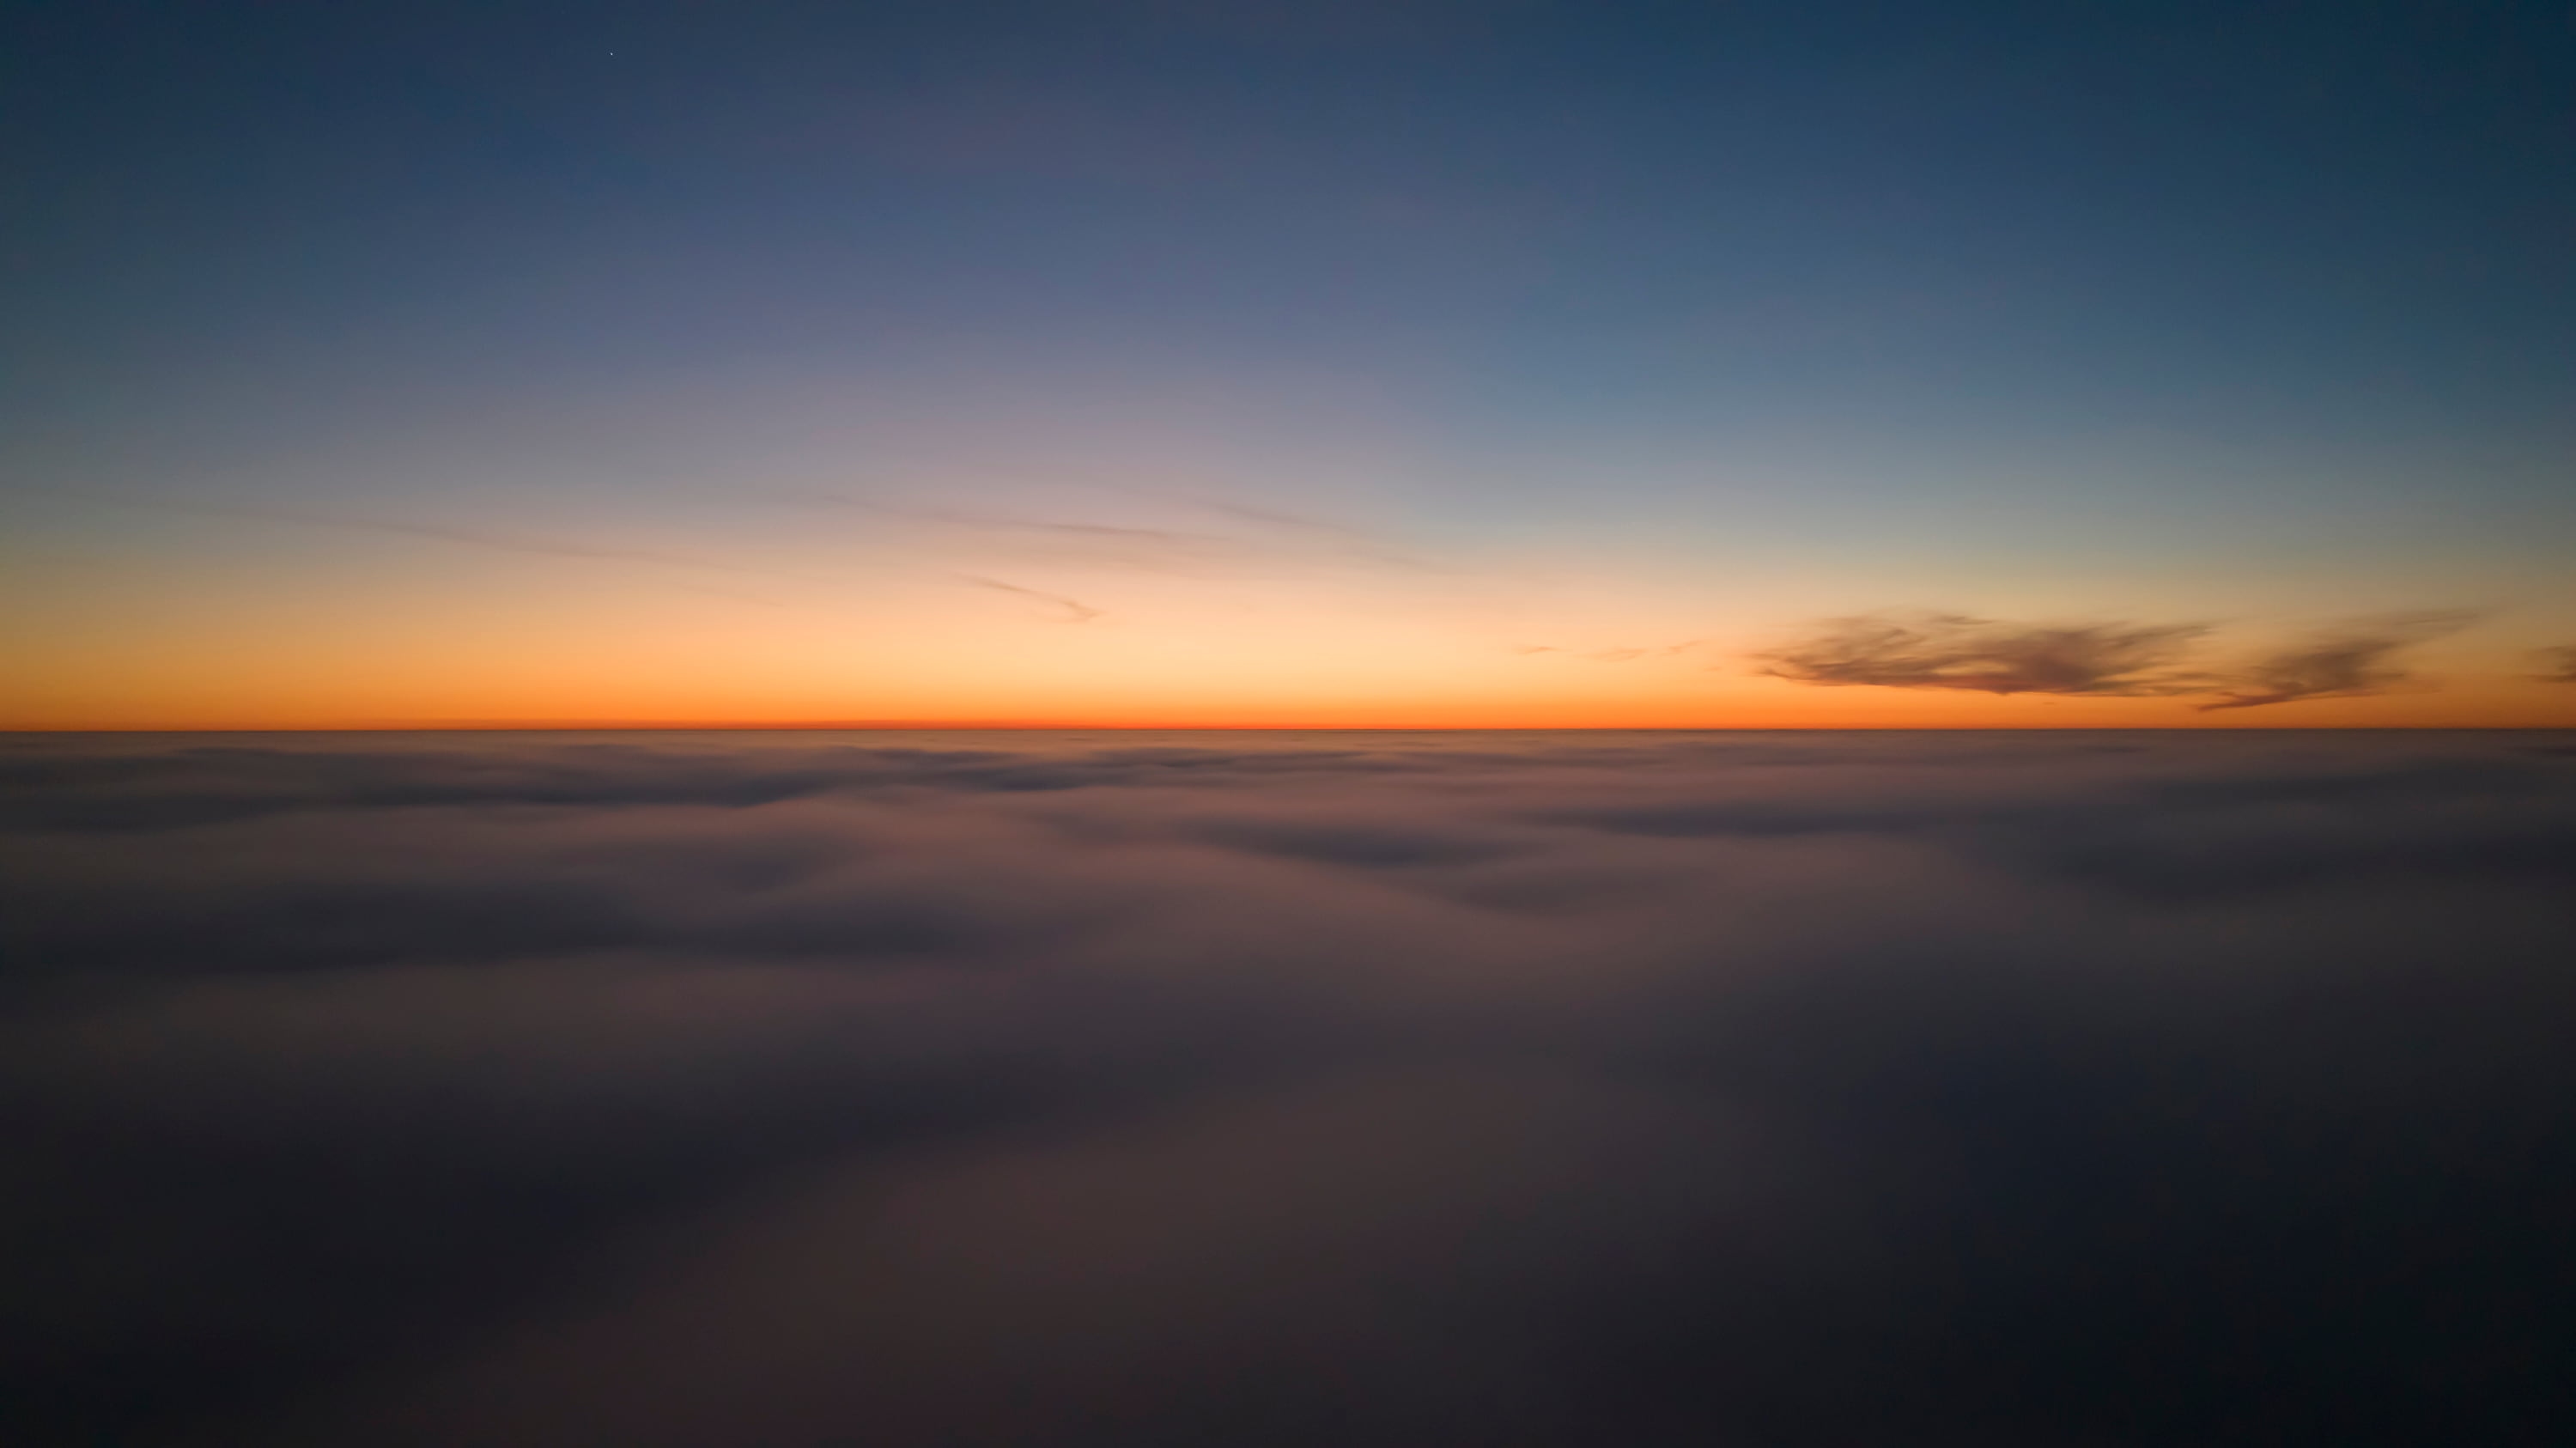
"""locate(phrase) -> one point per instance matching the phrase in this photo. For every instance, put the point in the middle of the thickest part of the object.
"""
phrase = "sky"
(1455, 363)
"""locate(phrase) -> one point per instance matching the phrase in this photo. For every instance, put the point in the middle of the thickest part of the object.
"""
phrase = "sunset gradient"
(1438, 365)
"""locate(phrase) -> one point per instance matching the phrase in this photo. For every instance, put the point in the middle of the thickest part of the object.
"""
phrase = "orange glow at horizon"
(417, 634)
(716, 680)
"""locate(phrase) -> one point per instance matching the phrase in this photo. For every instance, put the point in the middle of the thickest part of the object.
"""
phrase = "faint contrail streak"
(1075, 610)
(441, 532)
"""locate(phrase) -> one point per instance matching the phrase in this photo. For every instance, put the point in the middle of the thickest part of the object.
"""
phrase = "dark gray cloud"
(2558, 665)
(1954, 651)
(2357, 658)
(688, 1091)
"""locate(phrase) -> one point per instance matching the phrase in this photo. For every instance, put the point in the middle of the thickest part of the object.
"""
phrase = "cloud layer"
(1373, 1089)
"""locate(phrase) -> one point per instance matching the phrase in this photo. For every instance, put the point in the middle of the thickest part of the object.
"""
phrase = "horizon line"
(983, 726)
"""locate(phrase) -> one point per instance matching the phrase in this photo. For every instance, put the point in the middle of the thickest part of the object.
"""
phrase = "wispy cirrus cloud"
(2112, 659)
(1957, 651)
(1619, 655)
(983, 521)
(2558, 665)
(1068, 610)
(494, 539)
(2356, 658)
(1237, 538)
(1322, 538)
(658, 563)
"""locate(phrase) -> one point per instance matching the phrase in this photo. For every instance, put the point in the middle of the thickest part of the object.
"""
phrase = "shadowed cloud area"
(1954, 651)
(703, 1091)
(2353, 660)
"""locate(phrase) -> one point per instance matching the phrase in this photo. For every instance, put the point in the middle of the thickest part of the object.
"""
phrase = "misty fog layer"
(712, 1091)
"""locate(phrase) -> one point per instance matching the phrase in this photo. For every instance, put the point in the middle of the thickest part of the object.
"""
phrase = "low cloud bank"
(700, 1091)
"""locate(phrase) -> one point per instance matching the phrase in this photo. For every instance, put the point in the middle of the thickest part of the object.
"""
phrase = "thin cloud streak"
(2558, 665)
(1347, 543)
(1956, 651)
(1168, 550)
(1114, 547)
(533, 545)
(440, 532)
(1272, 517)
(2340, 663)
(1075, 610)
(1002, 523)
(1620, 655)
